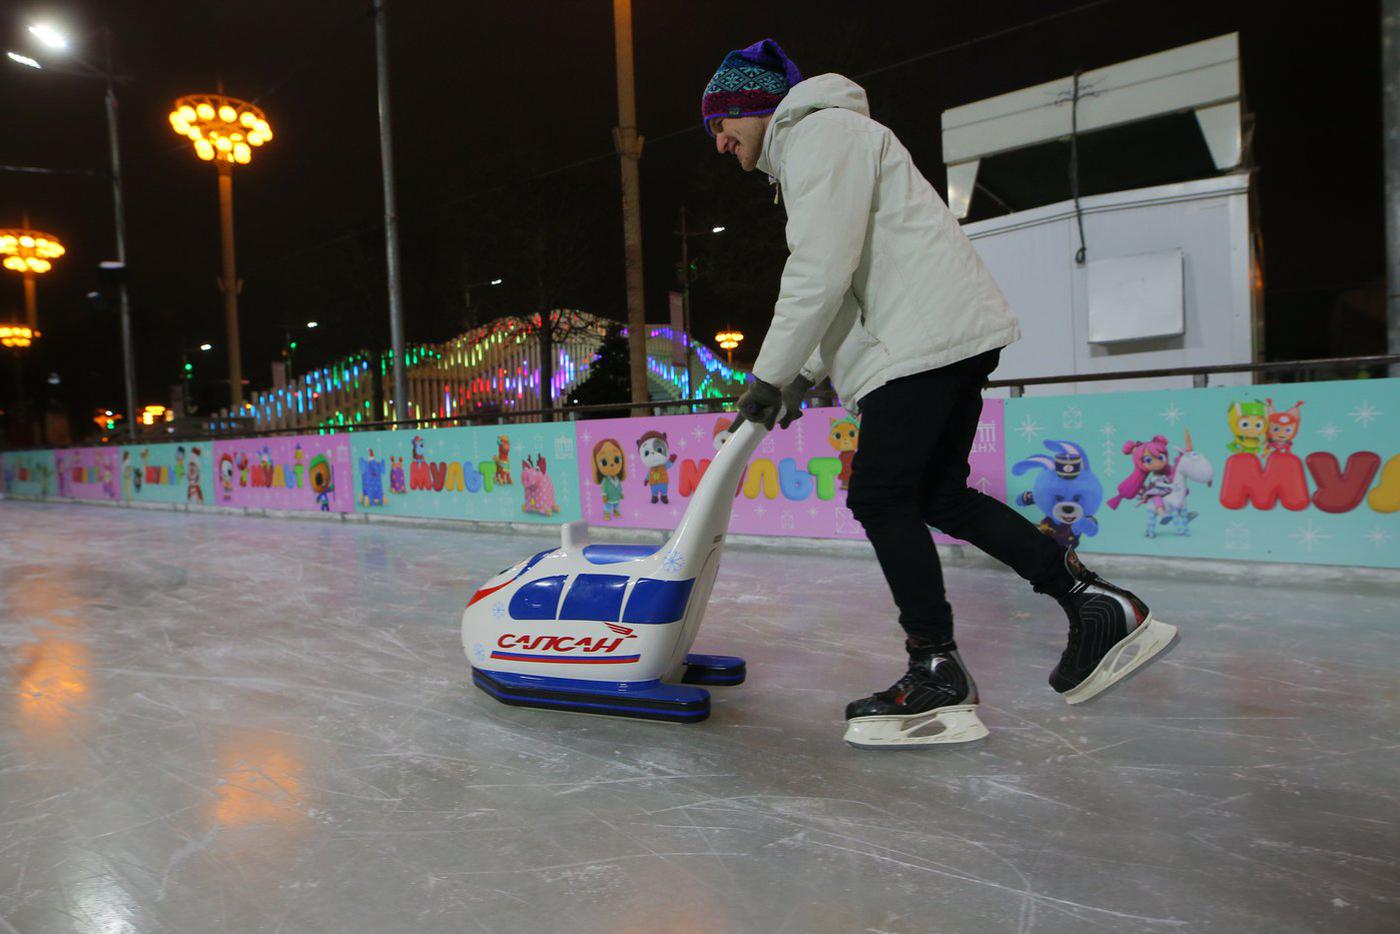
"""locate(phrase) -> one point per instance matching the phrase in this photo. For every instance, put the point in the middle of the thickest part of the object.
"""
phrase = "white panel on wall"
(1135, 297)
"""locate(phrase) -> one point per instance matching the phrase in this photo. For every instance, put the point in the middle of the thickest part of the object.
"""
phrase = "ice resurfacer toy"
(605, 628)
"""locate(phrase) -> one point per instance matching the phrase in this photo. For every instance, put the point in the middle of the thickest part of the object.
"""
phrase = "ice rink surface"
(219, 723)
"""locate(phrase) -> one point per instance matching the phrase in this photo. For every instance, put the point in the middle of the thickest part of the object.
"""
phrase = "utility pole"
(391, 214)
(685, 298)
(1390, 108)
(119, 212)
(629, 149)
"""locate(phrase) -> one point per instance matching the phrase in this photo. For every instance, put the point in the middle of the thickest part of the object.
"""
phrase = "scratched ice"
(216, 723)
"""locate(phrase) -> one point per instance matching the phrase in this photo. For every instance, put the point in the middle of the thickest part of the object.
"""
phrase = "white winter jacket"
(881, 281)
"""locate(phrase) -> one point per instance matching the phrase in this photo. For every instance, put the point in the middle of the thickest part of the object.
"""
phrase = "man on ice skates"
(883, 293)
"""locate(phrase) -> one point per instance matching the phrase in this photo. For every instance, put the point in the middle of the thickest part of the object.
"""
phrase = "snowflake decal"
(1073, 417)
(698, 432)
(1329, 431)
(1238, 537)
(1309, 536)
(760, 511)
(1378, 536)
(812, 511)
(1172, 413)
(479, 652)
(587, 436)
(674, 562)
(1028, 428)
(1365, 414)
(498, 609)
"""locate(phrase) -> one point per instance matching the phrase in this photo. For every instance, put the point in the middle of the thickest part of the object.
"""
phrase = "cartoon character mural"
(1149, 481)
(502, 460)
(1066, 491)
(242, 468)
(609, 472)
(371, 480)
(180, 463)
(226, 474)
(1283, 428)
(193, 491)
(322, 481)
(654, 451)
(1190, 466)
(398, 481)
(1249, 424)
(538, 487)
(844, 438)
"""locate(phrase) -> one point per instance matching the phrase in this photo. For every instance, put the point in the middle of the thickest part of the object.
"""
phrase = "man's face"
(741, 137)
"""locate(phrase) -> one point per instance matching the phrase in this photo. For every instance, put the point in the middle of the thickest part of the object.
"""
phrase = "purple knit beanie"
(749, 83)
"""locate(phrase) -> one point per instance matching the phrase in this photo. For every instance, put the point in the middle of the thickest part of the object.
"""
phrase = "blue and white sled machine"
(607, 628)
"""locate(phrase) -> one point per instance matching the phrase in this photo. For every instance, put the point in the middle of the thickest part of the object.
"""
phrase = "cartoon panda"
(655, 454)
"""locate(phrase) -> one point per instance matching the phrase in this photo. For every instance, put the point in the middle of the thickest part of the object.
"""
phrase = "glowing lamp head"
(17, 336)
(728, 340)
(222, 129)
(29, 251)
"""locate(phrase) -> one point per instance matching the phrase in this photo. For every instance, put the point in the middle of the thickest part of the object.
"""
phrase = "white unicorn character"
(1190, 465)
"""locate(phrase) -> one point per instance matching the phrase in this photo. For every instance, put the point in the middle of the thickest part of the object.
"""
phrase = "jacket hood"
(807, 97)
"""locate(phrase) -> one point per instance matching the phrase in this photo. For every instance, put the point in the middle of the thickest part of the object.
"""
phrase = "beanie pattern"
(750, 82)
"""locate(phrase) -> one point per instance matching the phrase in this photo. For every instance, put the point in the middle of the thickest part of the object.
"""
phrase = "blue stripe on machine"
(657, 601)
(537, 599)
(595, 597)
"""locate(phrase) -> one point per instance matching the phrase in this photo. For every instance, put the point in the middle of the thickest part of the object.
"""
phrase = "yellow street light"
(728, 340)
(30, 253)
(225, 131)
(17, 336)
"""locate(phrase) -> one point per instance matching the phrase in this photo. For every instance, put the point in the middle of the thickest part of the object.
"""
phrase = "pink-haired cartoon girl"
(1150, 480)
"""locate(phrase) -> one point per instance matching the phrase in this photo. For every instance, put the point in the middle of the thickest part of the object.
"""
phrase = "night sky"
(502, 118)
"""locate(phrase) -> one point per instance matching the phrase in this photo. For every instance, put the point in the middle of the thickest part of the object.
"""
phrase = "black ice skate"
(1111, 634)
(935, 702)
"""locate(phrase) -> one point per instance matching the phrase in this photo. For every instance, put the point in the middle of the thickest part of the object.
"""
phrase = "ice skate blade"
(1152, 640)
(959, 725)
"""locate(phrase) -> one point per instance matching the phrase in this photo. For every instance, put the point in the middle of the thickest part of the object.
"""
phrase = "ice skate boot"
(1111, 634)
(934, 703)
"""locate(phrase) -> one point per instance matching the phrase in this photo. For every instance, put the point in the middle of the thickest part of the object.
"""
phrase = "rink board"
(795, 484)
(477, 473)
(1334, 498)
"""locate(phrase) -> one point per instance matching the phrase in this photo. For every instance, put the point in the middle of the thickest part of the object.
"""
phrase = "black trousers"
(910, 472)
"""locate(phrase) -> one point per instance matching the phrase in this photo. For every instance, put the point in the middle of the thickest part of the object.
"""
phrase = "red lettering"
(439, 474)
(419, 476)
(1342, 490)
(691, 474)
(1281, 480)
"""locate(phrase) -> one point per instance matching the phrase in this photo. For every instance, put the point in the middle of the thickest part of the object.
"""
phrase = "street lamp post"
(58, 42)
(224, 131)
(728, 340)
(30, 253)
(19, 338)
(685, 234)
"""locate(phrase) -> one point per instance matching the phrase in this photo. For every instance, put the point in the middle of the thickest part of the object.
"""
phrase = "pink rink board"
(88, 473)
(281, 473)
(795, 484)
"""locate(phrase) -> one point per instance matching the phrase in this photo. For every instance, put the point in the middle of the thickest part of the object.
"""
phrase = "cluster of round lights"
(223, 128)
(17, 335)
(29, 250)
(728, 340)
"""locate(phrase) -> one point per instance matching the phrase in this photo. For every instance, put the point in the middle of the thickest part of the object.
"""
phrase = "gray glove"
(793, 394)
(760, 403)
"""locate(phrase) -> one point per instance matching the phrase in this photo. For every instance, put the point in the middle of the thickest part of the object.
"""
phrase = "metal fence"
(208, 429)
